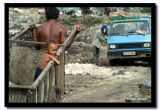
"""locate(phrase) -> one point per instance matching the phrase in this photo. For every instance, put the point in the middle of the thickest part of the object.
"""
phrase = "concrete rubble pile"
(93, 70)
(87, 69)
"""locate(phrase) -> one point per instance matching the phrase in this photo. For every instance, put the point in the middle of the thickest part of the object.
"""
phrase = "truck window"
(121, 28)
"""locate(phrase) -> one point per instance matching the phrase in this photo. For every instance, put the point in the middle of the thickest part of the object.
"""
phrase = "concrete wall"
(22, 65)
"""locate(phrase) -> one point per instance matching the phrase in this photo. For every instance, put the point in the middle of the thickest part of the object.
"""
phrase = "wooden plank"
(63, 75)
(11, 96)
(28, 42)
(32, 96)
(22, 96)
(52, 76)
(14, 96)
(46, 87)
(52, 94)
(44, 43)
(21, 87)
(59, 83)
(57, 88)
(42, 75)
(17, 96)
(20, 33)
(40, 92)
(62, 78)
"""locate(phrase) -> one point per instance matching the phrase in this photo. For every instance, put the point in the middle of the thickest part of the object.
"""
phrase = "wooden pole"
(43, 73)
(67, 42)
(44, 43)
(40, 92)
(46, 87)
(20, 33)
(28, 42)
(32, 96)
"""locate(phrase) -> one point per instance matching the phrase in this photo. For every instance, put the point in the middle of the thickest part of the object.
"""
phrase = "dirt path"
(120, 85)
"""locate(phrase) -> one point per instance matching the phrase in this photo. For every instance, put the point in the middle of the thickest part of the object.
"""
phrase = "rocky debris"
(87, 69)
(80, 52)
(91, 83)
(88, 34)
(145, 87)
(94, 70)
(139, 100)
(18, 17)
(118, 73)
(142, 94)
(18, 10)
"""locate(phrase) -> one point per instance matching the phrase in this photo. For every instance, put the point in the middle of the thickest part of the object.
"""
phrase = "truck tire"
(112, 62)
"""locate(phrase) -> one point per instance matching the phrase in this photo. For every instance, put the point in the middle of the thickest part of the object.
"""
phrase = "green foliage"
(40, 20)
(146, 10)
(17, 26)
(89, 21)
(24, 20)
(85, 10)
(68, 22)
(127, 9)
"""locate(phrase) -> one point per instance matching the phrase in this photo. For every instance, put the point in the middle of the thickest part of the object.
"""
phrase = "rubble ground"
(91, 83)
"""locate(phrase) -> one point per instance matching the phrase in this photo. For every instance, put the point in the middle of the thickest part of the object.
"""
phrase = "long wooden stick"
(44, 43)
(28, 42)
(20, 33)
(67, 42)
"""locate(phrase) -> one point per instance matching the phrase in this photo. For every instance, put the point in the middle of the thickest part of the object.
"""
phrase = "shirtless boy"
(49, 54)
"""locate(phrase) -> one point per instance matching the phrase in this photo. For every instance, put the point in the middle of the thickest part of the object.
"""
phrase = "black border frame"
(153, 103)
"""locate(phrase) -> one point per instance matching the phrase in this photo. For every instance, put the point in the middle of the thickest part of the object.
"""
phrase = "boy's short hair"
(49, 42)
(51, 12)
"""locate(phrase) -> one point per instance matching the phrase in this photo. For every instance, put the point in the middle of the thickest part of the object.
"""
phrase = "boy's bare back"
(51, 30)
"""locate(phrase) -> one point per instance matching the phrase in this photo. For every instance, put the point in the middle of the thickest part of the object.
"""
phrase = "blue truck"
(129, 39)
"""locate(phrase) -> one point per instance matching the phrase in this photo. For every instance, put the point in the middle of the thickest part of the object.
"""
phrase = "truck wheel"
(112, 62)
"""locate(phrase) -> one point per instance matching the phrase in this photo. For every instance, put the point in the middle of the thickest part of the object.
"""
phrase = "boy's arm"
(55, 59)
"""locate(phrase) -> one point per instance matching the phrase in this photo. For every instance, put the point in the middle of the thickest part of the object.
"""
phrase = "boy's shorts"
(37, 73)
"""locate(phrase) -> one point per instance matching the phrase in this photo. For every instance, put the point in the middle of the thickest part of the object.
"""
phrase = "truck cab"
(129, 39)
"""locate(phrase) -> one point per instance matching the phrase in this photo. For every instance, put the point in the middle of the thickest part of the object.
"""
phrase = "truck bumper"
(120, 55)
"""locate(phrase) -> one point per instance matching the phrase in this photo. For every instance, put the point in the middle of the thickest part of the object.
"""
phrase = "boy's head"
(51, 47)
(51, 13)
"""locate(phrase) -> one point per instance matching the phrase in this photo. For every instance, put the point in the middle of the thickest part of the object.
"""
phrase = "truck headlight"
(112, 46)
(147, 45)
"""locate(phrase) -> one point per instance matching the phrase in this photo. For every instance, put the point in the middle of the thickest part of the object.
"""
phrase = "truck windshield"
(127, 28)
